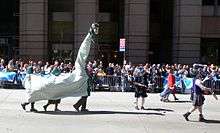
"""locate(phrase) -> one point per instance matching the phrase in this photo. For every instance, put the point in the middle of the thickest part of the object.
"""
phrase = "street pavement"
(110, 112)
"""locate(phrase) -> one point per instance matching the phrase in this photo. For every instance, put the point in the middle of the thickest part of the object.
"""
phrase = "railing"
(118, 83)
(108, 82)
(214, 84)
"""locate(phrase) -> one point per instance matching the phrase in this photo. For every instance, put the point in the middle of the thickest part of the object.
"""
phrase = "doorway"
(111, 30)
(209, 53)
(161, 30)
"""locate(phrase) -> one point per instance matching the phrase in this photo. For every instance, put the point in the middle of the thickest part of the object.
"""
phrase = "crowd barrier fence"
(118, 83)
(214, 84)
(107, 83)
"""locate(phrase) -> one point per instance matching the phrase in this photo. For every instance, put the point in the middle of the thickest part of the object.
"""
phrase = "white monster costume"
(65, 85)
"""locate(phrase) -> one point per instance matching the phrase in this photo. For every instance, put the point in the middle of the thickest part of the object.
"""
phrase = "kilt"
(198, 99)
(140, 92)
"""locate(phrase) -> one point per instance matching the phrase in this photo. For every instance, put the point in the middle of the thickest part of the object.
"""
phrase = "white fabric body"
(65, 85)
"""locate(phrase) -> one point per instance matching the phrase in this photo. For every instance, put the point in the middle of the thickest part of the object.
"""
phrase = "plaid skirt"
(198, 99)
(140, 92)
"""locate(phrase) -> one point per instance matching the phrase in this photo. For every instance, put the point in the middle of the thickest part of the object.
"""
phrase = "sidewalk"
(110, 112)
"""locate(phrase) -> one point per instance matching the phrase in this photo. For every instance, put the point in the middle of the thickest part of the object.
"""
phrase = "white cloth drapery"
(65, 85)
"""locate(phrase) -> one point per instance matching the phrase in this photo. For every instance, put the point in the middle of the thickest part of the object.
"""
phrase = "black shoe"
(201, 118)
(76, 108)
(186, 116)
(84, 110)
(136, 107)
(166, 100)
(142, 108)
(45, 107)
(23, 105)
(33, 110)
(57, 110)
(176, 99)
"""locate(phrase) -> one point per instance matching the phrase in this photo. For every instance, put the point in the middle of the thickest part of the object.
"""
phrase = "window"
(208, 2)
(218, 2)
(60, 5)
(105, 6)
(60, 32)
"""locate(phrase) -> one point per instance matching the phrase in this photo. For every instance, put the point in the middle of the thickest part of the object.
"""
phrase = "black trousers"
(82, 102)
(54, 101)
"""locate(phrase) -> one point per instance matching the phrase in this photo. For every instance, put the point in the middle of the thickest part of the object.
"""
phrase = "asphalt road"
(110, 112)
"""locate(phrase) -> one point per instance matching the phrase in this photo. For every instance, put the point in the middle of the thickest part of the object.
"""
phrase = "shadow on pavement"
(160, 109)
(96, 112)
(208, 121)
(212, 121)
(180, 101)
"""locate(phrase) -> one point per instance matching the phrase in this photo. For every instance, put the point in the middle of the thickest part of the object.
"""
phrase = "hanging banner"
(122, 45)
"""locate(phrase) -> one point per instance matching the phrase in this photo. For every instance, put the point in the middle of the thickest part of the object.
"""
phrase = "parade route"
(110, 112)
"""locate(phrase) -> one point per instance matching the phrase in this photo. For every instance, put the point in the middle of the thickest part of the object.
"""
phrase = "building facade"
(156, 31)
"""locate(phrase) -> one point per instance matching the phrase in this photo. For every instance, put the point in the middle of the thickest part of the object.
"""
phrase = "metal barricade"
(208, 83)
(217, 87)
(213, 84)
(16, 83)
(158, 86)
(159, 82)
(108, 83)
(117, 83)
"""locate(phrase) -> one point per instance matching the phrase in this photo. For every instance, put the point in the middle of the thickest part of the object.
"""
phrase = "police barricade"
(118, 83)
(107, 83)
(114, 83)
(208, 83)
(214, 84)
(217, 87)
(158, 84)
(11, 80)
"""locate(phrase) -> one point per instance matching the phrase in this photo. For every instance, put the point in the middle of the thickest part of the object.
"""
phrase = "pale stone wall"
(210, 27)
(33, 29)
(187, 31)
(84, 15)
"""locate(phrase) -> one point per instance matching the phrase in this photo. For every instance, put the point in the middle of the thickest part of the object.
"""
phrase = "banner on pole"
(122, 45)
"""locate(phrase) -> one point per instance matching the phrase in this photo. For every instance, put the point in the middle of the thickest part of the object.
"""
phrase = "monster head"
(94, 28)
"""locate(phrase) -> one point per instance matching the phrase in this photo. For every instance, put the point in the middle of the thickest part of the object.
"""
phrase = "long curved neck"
(83, 52)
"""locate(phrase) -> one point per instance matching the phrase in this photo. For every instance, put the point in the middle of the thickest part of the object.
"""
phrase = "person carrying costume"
(82, 102)
(56, 72)
(23, 105)
(72, 84)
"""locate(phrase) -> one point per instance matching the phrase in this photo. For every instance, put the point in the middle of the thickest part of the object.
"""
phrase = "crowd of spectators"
(153, 74)
(143, 73)
(37, 67)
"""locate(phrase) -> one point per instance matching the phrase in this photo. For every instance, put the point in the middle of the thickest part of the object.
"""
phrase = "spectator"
(2, 66)
(11, 65)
